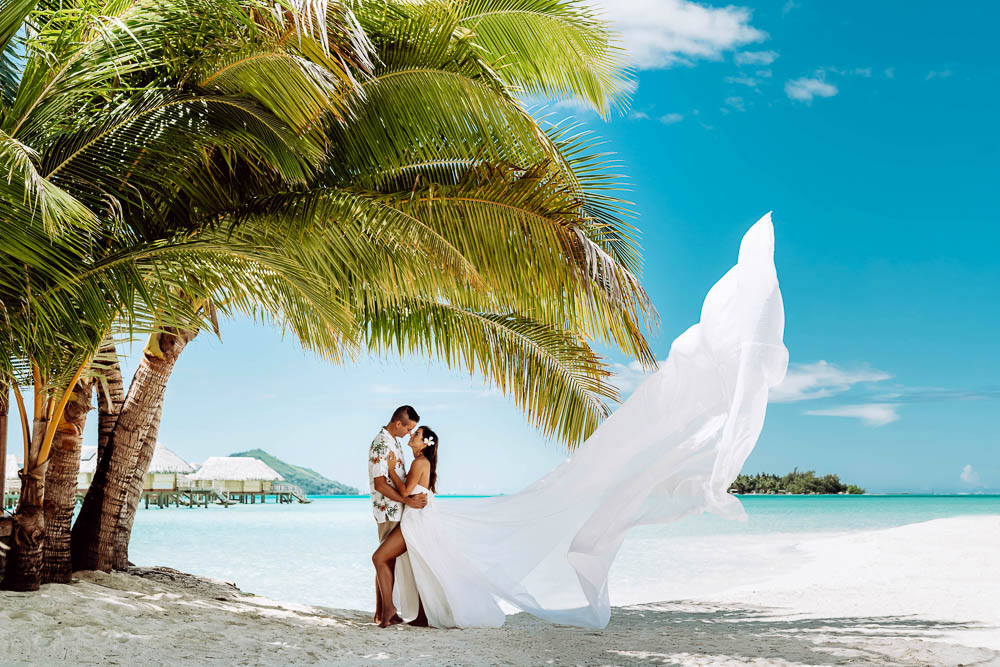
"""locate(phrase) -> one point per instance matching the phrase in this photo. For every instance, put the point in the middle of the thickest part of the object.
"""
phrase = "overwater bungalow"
(234, 474)
(242, 479)
(164, 469)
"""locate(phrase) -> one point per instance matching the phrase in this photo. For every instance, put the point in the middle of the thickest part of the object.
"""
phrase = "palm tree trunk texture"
(23, 571)
(95, 529)
(110, 396)
(131, 505)
(61, 485)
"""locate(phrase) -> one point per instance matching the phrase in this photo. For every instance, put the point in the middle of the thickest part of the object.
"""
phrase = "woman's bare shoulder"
(419, 464)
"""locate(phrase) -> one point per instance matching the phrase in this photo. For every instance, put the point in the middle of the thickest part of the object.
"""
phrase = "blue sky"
(868, 128)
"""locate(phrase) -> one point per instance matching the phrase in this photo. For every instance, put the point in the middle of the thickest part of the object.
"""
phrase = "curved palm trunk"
(23, 570)
(131, 505)
(94, 533)
(61, 485)
(110, 396)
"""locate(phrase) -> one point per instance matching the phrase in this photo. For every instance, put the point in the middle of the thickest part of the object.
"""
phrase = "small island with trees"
(794, 482)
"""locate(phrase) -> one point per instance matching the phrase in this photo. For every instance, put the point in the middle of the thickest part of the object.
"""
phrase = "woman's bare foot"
(393, 620)
(420, 623)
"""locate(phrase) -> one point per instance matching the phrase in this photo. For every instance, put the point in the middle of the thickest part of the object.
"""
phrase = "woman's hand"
(390, 459)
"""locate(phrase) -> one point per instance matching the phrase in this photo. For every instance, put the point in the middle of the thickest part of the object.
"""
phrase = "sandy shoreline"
(914, 595)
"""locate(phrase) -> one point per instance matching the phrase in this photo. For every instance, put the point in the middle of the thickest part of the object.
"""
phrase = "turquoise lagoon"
(320, 553)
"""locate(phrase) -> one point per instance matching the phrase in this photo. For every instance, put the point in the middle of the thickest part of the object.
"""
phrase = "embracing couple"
(423, 574)
(672, 449)
(392, 489)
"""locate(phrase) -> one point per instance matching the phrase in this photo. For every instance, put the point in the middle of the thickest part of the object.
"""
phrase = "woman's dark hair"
(430, 452)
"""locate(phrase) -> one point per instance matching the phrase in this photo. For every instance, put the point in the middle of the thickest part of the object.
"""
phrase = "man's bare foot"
(420, 622)
(394, 620)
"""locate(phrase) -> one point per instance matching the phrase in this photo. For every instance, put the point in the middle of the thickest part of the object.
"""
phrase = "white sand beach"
(922, 594)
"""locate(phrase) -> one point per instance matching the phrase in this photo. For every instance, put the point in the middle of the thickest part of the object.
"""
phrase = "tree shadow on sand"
(694, 633)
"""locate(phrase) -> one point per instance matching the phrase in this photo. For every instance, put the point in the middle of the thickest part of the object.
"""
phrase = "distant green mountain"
(310, 481)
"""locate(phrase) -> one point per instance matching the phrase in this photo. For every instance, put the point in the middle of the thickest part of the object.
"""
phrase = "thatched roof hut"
(166, 461)
(234, 473)
(162, 474)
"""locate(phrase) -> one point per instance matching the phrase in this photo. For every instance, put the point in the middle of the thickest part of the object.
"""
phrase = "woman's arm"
(396, 481)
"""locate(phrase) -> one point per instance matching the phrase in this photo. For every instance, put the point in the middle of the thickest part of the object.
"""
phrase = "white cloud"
(938, 74)
(627, 377)
(763, 73)
(573, 105)
(671, 118)
(736, 103)
(662, 33)
(969, 476)
(742, 81)
(789, 6)
(805, 382)
(889, 72)
(806, 89)
(639, 115)
(755, 57)
(872, 414)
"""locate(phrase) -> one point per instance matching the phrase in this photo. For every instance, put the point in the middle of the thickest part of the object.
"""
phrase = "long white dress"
(672, 449)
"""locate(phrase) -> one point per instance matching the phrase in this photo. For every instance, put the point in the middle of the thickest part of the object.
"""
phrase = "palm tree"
(434, 165)
(399, 165)
(83, 152)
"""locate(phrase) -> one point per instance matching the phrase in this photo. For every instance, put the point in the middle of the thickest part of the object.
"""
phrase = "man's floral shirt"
(383, 508)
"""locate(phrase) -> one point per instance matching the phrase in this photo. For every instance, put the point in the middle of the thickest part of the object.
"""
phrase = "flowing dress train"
(672, 449)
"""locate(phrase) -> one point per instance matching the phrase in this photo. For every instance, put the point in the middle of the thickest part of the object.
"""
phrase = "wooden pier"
(280, 494)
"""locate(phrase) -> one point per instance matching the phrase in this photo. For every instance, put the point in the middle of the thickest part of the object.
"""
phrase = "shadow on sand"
(692, 633)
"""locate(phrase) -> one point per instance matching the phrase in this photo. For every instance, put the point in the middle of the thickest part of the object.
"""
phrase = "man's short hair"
(405, 412)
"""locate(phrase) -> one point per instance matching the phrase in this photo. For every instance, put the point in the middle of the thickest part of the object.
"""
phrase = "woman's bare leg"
(391, 548)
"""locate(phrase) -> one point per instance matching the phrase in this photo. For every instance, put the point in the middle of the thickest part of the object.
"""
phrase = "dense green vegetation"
(793, 482)
(310, 481)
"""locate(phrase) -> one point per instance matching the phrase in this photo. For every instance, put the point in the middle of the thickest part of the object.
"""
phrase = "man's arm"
(382, 486)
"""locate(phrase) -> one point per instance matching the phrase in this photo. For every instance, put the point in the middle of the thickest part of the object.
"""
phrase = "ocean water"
(320, 553)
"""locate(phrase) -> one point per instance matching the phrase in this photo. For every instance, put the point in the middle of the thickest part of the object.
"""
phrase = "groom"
(387, 501)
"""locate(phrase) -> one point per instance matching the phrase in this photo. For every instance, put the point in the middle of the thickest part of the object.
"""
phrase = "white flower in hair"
(430, 441)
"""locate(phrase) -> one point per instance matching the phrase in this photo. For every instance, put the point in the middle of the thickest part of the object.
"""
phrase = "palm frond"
(552, 375)
(555, 49)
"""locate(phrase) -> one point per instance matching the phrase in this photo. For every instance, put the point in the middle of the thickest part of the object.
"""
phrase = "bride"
(672, 449)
